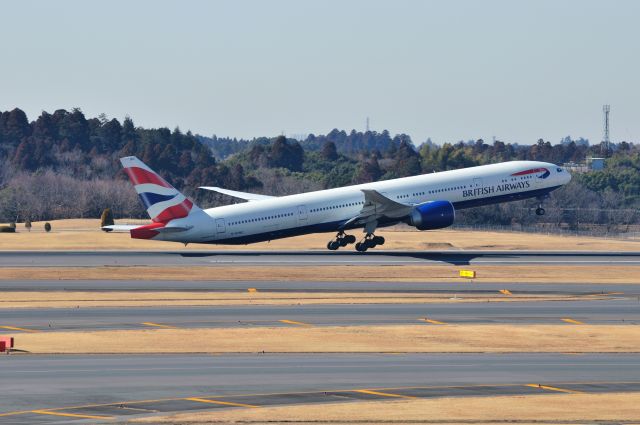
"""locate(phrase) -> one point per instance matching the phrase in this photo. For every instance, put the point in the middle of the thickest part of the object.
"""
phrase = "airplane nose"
(567, 177)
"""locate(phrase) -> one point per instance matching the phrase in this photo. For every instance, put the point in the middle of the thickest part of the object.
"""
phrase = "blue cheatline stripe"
(149, 198)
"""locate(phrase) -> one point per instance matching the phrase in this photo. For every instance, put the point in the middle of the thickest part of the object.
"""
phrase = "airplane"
(426, 202)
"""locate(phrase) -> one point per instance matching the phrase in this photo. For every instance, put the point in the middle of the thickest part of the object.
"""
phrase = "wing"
(376, 206)
(241, 195)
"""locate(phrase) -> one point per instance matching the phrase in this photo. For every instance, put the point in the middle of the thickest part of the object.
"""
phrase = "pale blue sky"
(449, 70)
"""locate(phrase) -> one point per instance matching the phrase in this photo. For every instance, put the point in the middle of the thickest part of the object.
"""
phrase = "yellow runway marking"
(574, 322)
(293, 322)
(70, 415)
(158, 325)
(226, 403)
(21, 412)
(561, 390)
(383, 394)
(433, 322)
(13, 328)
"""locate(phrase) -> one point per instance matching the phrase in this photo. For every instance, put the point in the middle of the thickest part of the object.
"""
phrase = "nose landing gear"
(369, 241)
(540, 210)
(341, 240)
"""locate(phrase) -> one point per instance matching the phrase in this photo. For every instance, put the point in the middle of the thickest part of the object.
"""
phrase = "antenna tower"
(605, 138)
(367, 126)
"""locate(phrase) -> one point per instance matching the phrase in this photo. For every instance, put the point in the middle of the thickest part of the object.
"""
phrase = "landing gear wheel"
(369, 241)
(361, 246)
(540, 211)
(341, 240)
(378, 240)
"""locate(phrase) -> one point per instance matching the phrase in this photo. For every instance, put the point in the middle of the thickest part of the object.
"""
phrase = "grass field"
(418, 338)
(71, 299)
(84, 234)
(399, 273)
(531, 409)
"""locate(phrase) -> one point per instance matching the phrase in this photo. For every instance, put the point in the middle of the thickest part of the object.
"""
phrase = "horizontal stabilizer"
(173, 229)
(241, 195)
(120, 227)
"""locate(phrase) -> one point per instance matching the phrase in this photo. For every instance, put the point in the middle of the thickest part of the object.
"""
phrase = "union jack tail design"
(162, 201)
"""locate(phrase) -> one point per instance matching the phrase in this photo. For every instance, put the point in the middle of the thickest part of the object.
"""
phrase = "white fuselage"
(328, 210)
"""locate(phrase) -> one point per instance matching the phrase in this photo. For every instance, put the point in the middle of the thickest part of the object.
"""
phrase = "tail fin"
(162, 201)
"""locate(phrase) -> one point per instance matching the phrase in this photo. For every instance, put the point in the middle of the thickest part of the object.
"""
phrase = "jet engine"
(432, 215)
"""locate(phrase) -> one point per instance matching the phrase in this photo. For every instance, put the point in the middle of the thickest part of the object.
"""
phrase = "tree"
(14, 126)
(408, 160)
(106, 219)
(286, 155)
(368, 171)
(329, 151)
(27, 224)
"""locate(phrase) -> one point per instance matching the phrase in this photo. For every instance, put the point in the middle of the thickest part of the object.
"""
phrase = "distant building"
(595, 164)
(574, 167)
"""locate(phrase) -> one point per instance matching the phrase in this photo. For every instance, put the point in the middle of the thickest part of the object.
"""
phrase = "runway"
(426, 287)
(377, 257)
(116, 387)
(611, 311)
(93, 388)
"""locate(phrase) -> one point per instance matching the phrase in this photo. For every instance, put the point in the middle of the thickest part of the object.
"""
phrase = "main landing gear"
(341, 240)
(369, 241)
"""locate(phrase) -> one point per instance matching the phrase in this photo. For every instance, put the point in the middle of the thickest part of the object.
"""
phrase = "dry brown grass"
(399, 273)
(84, 234)
(64, 299)
(539, 409)
(419, 338)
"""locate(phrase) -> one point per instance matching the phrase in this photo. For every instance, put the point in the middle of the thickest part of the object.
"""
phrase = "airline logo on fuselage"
(500, 188)
(508, 187)
(544, 172)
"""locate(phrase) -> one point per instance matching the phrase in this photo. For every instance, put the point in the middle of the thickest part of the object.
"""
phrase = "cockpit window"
(559, 169)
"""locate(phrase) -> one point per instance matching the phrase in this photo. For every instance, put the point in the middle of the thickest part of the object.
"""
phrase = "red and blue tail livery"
(162, 201)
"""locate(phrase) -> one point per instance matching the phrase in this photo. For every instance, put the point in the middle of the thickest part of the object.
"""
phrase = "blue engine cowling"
(432, 215)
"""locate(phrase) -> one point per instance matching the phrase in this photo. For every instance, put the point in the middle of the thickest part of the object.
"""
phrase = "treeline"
(350, 144)
(66, 165)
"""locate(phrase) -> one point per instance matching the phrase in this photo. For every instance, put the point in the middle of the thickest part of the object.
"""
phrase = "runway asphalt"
(426, 287)
(92, 388)
(182, 382)
(612, 311)
(378, 257)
